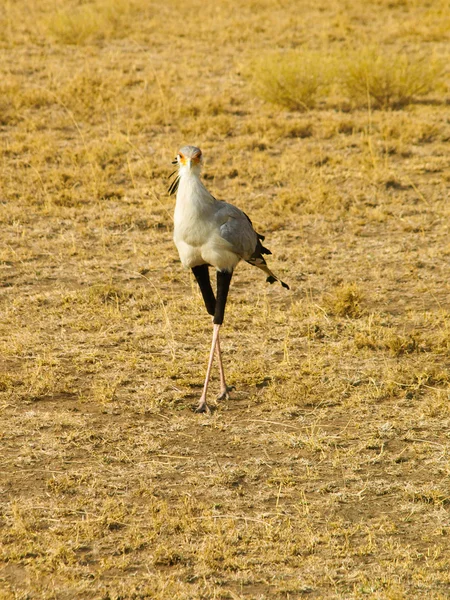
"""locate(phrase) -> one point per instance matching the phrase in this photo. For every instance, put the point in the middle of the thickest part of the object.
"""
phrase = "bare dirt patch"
(326, 475)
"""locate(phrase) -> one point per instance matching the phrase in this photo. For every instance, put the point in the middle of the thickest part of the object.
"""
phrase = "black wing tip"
(272, 279)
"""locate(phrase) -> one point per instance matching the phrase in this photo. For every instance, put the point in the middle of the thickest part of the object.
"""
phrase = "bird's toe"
(225, 394)
(203, 408)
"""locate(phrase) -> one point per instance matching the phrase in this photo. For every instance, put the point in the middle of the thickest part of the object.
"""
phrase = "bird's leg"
(202, 406)
(224, 388)
(223, 285)
(201, 274)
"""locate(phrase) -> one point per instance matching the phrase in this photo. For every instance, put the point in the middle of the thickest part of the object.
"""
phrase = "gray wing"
(236, 228)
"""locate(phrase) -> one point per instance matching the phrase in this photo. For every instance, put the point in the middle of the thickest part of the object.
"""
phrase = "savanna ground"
(327, 474)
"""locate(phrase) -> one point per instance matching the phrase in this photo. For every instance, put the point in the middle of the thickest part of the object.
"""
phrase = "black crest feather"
(174, 185)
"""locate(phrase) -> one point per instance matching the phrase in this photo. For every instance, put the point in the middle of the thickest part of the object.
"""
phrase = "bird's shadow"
(209, 410)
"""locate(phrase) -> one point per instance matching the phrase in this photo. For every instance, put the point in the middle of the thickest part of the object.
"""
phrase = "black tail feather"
(260, 249)
(257, 260)
(272, 279)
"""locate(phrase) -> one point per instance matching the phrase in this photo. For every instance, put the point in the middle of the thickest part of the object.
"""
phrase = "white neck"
(191, 188)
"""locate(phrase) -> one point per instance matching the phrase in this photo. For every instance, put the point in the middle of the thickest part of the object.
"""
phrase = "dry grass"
(384, 79)
(293, 79)
(369, 76)
(326, 475)
(94, 21)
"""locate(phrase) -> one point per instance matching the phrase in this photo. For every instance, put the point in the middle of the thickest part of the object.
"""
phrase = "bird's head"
(189, 158)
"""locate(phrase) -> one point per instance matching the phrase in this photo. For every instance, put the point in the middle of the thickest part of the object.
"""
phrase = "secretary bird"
(212, 233)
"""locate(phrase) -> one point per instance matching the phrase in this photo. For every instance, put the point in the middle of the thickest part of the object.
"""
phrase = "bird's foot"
(203, 407)
(225, 392)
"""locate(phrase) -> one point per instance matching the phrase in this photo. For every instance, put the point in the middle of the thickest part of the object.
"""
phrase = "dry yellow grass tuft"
(384, 79)
(295, 79)
(345, 301)
(326, 473)
(368, 76)
(94, 21)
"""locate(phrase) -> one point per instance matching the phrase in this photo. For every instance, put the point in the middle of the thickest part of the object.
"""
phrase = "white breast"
(196, 232)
